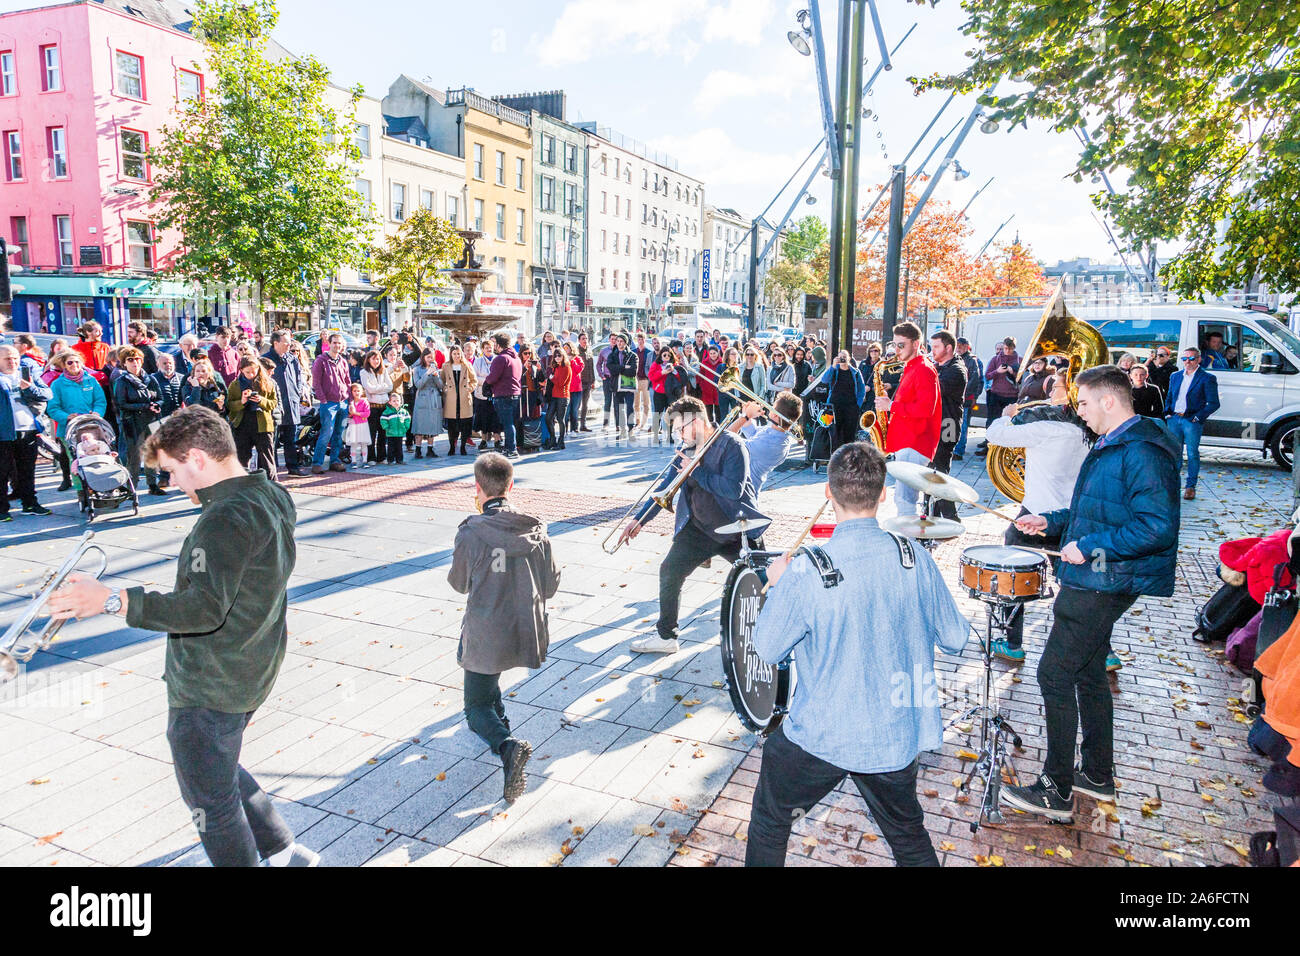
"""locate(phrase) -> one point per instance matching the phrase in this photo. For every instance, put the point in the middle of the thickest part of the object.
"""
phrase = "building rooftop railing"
(628, 143)
(477, 101)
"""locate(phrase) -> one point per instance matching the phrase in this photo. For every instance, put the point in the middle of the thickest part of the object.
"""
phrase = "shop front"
(57, 305)
(620, 312)
(356, 310)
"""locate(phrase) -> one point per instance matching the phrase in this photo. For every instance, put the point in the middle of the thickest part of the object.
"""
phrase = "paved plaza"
(638, 759)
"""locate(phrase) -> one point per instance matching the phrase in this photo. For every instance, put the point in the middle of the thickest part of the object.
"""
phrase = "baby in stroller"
(101, 480)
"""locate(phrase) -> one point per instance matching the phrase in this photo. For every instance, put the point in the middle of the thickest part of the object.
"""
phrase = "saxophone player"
(915, 411)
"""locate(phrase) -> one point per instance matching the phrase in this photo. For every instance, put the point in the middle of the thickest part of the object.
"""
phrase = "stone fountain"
(469, 317)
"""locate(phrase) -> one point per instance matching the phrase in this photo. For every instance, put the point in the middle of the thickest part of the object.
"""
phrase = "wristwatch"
(113, 603)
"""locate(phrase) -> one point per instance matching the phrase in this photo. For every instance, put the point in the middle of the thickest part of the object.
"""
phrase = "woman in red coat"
(708, 391)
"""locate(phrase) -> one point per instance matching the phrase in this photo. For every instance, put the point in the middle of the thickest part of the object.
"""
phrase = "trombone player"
(716, 490)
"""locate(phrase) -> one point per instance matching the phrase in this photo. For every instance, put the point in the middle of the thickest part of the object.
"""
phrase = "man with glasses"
(915, 412)
(1160, 368)
(644, 358)
(1193, 397)
(974, 385)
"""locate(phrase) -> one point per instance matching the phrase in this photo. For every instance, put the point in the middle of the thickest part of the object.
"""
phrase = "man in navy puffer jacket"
(1122, 534)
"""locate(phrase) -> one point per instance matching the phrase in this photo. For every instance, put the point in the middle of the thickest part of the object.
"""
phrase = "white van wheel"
(1282, 444)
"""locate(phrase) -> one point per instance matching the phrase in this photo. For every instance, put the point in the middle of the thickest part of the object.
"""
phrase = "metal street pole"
(753, 279)
(853, 166)
(823, 86)
(893, 252)
(833, 303)
(994, 236)
(947, 161)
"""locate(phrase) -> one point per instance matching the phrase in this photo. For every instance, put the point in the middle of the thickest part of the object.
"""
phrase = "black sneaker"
(6, 517)
(39, 510)
(512, 455)
(1042, 798)
(514, 758)
(1097, 787)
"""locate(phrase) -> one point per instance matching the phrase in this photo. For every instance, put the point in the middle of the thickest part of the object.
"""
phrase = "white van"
(1259, 397)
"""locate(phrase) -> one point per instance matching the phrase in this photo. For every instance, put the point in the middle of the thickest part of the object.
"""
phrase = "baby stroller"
(818, 446)
(100, 480)
(308, 432)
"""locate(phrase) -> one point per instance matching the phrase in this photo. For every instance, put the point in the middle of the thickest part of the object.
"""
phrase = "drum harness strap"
(831, 576)
(906, 556)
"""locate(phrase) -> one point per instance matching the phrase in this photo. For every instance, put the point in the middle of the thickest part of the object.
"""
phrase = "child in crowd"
(396, 422)
(91, 443)
(502, 560)
(357, 432)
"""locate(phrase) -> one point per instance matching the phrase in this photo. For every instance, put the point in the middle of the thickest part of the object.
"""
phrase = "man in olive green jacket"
(226, 635)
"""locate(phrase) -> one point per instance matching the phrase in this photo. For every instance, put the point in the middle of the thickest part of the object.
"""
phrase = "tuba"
(1059, 335)
(876, 424)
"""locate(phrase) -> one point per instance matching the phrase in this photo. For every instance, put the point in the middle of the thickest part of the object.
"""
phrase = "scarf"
(80, 375)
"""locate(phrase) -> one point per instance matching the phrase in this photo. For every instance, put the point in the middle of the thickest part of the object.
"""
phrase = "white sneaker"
(655, 645)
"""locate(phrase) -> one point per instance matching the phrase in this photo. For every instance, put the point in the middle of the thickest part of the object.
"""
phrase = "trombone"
(663, 490)
(14, 649)
(714, 379)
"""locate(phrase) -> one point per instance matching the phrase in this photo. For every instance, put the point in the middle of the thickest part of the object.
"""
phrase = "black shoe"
(429, 454)
(957, 457)
(512, 455)
(514, 758)
(981, 452)
(6, 517)
(420, 454)
(463, 449)
(498, 445)
(560, 446)
(1042, 798)
(1099, 788)
(1283, 779)
(65, 485)
(155, 490)
(36, 509)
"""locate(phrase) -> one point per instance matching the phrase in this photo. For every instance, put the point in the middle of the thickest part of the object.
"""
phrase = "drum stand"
(995, 730)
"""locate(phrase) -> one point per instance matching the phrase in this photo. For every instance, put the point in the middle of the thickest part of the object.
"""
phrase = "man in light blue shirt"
(768, 446)
(865, 701)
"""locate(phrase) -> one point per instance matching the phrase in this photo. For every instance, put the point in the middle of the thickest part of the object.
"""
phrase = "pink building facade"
(85, 90)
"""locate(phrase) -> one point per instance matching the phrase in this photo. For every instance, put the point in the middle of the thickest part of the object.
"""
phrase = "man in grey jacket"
(498, 556)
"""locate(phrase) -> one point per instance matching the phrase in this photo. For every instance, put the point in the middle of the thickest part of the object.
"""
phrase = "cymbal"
(919, 526)
(743, 526)
(934, 483)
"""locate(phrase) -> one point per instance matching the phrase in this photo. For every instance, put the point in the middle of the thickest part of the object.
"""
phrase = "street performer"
(718, 492)
(226, 635)
(865, 701)
(915, 412)
(767, 446)
(1121, 531)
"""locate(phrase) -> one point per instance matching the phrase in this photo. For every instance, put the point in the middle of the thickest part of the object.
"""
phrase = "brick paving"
(639, 760)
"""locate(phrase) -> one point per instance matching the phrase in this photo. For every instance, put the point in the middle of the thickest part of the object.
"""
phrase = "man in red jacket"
(915, 412)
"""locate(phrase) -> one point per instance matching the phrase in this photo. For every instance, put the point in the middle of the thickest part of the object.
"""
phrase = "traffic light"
(6, 290)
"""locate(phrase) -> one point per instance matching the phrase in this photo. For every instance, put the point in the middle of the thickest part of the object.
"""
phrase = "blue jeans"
(1188, 434)
(333, 415)
(505, 409)
(965, 426)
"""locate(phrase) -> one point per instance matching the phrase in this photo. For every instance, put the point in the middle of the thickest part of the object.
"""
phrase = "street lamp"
(799, 38)
(990, 125)
(958, 172)
(810, 199)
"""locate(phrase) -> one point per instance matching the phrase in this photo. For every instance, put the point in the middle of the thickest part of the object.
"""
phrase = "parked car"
(309, 340)
(1259, 398)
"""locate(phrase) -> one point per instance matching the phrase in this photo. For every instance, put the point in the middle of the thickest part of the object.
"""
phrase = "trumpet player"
(718, 491)
(226, 635)
(767, 446)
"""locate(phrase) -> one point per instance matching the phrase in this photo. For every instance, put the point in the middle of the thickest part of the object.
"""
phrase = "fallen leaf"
(38, 781)
(698, 754)
(1063, 853)
(810, 841)
(644, 829)
(555, 859)
(612, 860)
(1241, 850)
(1031, 847)
(967, 755)
(441, 776)
(578, 831)
(46, 840)
(945, 845)
(691, 703)
(932, 793)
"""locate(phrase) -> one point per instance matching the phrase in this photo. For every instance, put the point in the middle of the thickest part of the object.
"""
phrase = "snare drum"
(760, 692)
(1003, 575)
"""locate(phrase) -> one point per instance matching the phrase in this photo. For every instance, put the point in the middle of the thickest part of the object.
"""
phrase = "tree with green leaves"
(258, 175)
(786, 282)
(408, 264)
(805, 239)
(1194, 106)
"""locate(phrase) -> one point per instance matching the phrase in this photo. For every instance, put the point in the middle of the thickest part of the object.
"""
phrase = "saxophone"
(873, 426)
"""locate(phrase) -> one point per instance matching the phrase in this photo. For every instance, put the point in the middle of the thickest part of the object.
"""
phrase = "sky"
(716, 84)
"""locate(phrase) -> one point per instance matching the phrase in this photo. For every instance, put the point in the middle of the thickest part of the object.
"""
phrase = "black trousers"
(18, 464)
(942, 462)
(557, 419)
(846, 424)
(376, 452)
(484, 710)
(458, 429)
(1012, 537)
(691, 547)
(793, 781)
(247, 437)
(1072, 678)
(995, 405)
(393, 448)
(288, 439)
(235, 819)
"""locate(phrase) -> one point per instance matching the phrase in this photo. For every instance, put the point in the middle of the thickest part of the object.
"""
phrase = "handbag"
(1278, 615)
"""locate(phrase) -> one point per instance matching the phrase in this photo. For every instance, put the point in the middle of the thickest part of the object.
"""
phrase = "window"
(8, 81)
(570, 199)
(501, 168)
(399, 201)
(645, 179)
(363, 190)
(190, 87)
(602, 278)
(603, 240)
(52, 78)
(627, 173)
(13, 155)
(629, 209)
(643, 282)
(615, 278)
(426, 199)
(627, 245)
(616, 176)
(1243, 349)
(478, 160)
(519, 173)
(615, 243)
(627, 281)
(501, 221)
(519, 276)
(499, 267)
(18, 229)
(548, 243)
(58, 145)
(548, 149)
(604, 202)
(478, 215)
(571, 157)
(617, 200)
(130, 75)
(134, 144)
(63, 239)
(643, 248)
(520, 231)
(453, 210)
(548, 194)
(362, 139)
(139, 245)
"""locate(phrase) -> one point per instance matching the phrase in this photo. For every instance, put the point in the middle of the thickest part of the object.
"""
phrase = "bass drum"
(760, 692)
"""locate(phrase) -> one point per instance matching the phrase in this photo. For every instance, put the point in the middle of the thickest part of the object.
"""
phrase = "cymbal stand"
(995, 730)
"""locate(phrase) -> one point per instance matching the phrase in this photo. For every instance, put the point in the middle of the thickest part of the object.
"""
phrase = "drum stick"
(992, 511)
(799, 540)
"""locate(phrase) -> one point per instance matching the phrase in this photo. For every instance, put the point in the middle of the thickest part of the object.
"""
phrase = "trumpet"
(724, 383)
(14, 648)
